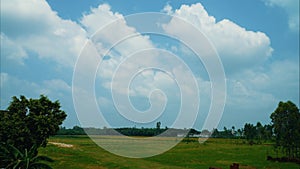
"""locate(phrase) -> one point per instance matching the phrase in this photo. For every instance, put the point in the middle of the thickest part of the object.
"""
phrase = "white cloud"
(98, 18)
(34, 26)
(238, 48)
(3, 79)
(168, 9)
(13, 86)
(103, 101)
(284, 79)
(11, 50)
(56, 87)
(243, 96)
(292, 9)
(265, 87)
(109, 28)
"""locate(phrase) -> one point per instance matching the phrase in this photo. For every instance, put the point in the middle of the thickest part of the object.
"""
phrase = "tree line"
(127, 131)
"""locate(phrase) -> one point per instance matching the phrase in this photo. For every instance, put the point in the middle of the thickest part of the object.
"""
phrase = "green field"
(214, 152)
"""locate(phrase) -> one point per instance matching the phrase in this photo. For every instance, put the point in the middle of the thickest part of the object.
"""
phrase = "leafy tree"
(259, 132)
(158, 124)
(227, 133)
(11, 157)
(215, 133)
(286, 123)
(250, 132)
(268, 132)
(29, 122)
(233, 132)
(239, 133)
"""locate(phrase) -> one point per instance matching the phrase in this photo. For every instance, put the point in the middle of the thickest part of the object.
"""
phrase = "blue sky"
(257, 43)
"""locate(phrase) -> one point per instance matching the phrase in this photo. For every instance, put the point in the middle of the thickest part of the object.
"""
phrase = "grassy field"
(214, 152)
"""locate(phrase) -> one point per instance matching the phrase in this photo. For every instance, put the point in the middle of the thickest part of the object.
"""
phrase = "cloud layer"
(32, 30)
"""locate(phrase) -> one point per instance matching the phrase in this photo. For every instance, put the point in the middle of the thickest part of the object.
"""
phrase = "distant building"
(195, 135)
(180, 135)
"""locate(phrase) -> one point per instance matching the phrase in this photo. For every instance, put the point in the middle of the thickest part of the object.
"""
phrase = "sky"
(134, 63)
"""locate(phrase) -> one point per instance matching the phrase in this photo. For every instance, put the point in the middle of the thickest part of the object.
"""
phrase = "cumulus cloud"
(237, 47)
(33, 26)
(109, 30)
(292, 9)
(252, 79)
(98, 18)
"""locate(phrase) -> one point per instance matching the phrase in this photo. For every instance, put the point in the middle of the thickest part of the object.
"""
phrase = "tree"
(239, 133)
(249, 132)
(158, 125)
(30, 122)
(286, 124)
(227, 133)
(268, 132)
(259, 132)
(215, 133)
(233, 131)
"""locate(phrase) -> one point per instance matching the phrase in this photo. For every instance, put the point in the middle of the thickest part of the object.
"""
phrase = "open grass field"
(80, 152)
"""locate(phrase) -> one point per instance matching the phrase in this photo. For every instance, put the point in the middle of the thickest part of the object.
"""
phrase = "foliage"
(222, 134)
(29, 122)
(76, 130)
(286, 122)
(250, 132)
(158, 125)
(257, 134)
(12, 158)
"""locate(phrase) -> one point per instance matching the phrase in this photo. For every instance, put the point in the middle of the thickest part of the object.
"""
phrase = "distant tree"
(249, 132)
(30, 122)
(286, 123)
(158, 124)
(193, 132)
(233, 131)
(268, 132)
(259, 132)
(227, 133)
(239, 132)
(225, 128)
(215, 133)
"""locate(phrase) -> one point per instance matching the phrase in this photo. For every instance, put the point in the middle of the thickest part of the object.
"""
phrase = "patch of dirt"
(247, 167)
(62, 145)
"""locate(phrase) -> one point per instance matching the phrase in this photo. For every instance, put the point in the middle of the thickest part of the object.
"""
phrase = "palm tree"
(13, 158)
